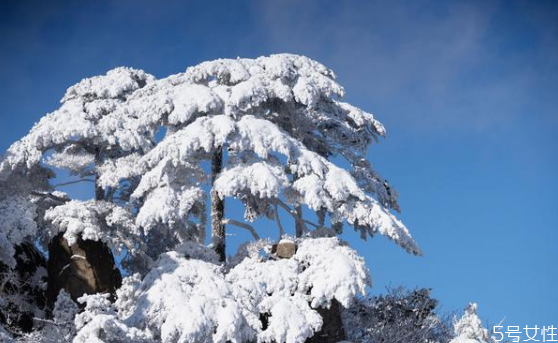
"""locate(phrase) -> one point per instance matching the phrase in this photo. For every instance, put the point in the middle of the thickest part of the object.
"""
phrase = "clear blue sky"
(467, 90)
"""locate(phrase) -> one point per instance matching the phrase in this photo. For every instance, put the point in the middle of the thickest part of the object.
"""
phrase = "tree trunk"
(321, 216)
(86, 267)
(299, 225)
(332, 330)
(217, 208)
(99, 192)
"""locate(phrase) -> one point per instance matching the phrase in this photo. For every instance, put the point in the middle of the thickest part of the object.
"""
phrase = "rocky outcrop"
(86, 267)
(285, 249)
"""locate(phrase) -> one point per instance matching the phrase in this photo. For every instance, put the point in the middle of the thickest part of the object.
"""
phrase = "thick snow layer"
(291, 319)
(289, 290)
(167, 205)
(89, 113)
(17, 221)
(99, 323)
(188, 301)
(469, 328)
(261, 179)
(184, 299)
(94, 220)
(116, 83)
(112, 171)
(346, 276)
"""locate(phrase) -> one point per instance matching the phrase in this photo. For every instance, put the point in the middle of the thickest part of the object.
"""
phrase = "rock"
(86, 267)
(285, 249)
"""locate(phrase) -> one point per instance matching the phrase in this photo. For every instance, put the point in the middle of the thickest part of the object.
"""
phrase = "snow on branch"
(186, 300)
(95, 220)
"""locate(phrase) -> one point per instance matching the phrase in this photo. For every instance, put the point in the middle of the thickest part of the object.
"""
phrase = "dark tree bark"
(321, 216)
(217, 208)
(332, 330)
(99, 192)
(299, 225)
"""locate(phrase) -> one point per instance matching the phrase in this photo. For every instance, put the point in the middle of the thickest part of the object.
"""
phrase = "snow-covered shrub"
(469, 328)
(287, 292)
(99, 323)
(23, 289)
(184, 300)
(398, 317)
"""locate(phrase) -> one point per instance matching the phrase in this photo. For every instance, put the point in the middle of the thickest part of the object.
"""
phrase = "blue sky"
(467, 91)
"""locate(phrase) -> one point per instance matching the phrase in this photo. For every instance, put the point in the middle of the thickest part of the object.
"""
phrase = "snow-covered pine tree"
(270, 132)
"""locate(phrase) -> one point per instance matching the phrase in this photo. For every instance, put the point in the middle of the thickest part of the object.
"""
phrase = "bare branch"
(248, 227)
(72, 182)
(281, 230)
(311, 223)
(285, 207)
(294, 215)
